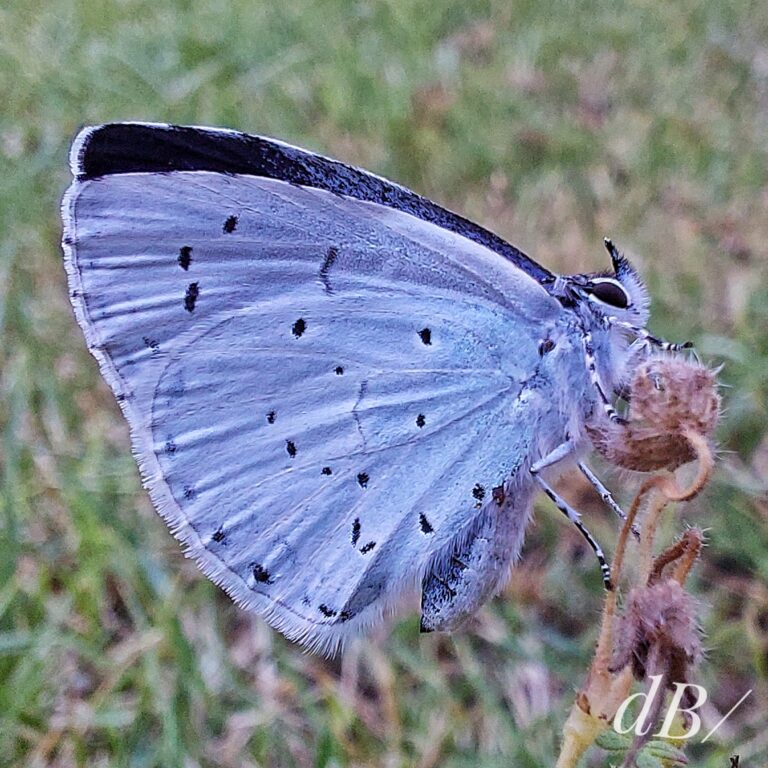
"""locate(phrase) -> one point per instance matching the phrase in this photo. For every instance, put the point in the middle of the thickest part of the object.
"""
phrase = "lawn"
(552, 123)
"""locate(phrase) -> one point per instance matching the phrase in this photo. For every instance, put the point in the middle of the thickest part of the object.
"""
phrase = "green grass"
(553, 123)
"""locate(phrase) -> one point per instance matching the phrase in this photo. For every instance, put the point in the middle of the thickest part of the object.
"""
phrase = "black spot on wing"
(420, 420)
(271, 417)
(478, 492)
(366, 548)
(261, 574)
(425, 525)
(151, 343)
(330, 257)
(546, 346)
(230, 225)
(326, 611)
(362, 479)
(170, 446)
(218, 536)
(339, 370)
(185, 257)
(426, 336)
(355, 531)
(326, 471)
(190, 494)
(190, 298)
(298, 328)
(290, 446)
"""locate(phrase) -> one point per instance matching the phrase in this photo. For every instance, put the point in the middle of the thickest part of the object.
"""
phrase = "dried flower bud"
(670, 398)
(658, 633)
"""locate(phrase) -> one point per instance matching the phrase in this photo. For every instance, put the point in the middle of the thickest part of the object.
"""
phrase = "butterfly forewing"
(316, 385)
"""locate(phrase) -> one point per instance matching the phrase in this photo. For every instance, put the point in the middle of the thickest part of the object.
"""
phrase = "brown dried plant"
(673, 412)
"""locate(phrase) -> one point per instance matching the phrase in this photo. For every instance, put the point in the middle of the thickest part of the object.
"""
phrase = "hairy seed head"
(670, 398)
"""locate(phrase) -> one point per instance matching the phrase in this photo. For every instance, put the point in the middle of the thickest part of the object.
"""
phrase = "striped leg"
(605, 494)
(642, 333)
(558, 454)
(594, 377)
(575, 518)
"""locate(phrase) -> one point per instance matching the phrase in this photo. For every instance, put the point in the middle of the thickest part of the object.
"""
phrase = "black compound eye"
(611, 293)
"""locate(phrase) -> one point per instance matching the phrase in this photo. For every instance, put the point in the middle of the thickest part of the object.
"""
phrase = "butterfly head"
(619, 294)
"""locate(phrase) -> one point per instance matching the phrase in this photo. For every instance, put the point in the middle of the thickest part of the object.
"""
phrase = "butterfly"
(339, 393)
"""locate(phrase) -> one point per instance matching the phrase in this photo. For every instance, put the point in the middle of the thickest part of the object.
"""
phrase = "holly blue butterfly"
(339, 393)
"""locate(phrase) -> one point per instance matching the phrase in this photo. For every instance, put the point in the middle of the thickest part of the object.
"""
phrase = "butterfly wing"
(317, 386)
(158, 148)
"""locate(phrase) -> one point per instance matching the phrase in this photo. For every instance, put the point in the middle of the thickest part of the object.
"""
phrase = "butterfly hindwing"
(316, 385)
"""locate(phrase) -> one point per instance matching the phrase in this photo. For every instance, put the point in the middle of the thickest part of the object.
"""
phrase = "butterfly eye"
(611, 293)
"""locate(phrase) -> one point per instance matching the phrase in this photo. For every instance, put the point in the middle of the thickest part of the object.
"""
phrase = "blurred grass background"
(553, 123)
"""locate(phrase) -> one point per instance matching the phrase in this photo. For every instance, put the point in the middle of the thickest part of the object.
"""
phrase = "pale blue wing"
(316, 386)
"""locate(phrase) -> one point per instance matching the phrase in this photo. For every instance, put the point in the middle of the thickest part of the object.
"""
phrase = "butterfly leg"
(575, 518)
(642, 333)
(562, 451)
(594, 377)
(605, 494)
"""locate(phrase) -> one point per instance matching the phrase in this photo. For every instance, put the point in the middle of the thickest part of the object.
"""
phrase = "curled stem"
(597, 702)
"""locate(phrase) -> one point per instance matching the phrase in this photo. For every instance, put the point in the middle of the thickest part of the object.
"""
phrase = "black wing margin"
(157, 148)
